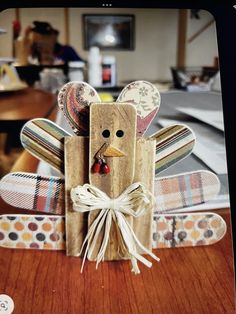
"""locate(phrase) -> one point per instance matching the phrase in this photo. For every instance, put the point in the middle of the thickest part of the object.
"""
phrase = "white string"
(134, 201)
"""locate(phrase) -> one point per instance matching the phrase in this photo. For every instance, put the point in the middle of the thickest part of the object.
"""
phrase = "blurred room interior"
(41, 49)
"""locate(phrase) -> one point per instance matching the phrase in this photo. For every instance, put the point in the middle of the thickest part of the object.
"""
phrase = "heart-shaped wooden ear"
(146, 97)
(74, 99)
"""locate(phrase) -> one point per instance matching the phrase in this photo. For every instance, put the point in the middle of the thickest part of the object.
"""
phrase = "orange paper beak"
(111, 151)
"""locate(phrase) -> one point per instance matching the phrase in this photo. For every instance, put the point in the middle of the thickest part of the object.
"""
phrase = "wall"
(203, 49)
(156, 39)
(154, 48)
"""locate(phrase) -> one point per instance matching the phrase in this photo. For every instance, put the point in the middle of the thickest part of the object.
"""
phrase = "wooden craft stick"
(40, 232)
(145, 172)
(146, 98)
(106, 120)
(46, 194)
(173, 230)
(114, 125)
(185, 190)
(173, 143)
(74, 99)
(76, 173)
(34, 192)
(45, 140)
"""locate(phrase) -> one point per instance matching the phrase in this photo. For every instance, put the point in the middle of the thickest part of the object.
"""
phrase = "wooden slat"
(76, 173)
(113, 117)
(66, 26)
(182, 33)
(145, 172)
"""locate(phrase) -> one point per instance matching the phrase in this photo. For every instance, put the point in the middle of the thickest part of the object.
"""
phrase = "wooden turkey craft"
(107, 194)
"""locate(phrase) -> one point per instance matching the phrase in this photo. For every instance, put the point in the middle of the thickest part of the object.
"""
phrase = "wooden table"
(187, 280)
(18, 107)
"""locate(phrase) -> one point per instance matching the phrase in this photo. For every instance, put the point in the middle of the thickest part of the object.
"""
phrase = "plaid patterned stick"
(47, 194)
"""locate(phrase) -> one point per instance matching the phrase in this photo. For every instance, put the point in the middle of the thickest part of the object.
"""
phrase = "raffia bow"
(134, 201)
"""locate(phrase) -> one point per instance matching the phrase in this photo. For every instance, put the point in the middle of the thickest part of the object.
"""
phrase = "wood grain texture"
(76, 173)
(112, 117)
(25, 105)
(187, 280)
(145, 172)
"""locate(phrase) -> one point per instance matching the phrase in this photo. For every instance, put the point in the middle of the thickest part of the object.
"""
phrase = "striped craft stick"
(173, 143)
(45, 140)
(47, 194)
(48, 232)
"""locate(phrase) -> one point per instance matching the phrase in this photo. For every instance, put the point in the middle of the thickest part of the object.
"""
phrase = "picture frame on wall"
(108, 32)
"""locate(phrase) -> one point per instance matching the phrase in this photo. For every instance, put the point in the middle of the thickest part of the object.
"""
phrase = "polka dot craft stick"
(187, 230)
(172, 230)
(32, 232)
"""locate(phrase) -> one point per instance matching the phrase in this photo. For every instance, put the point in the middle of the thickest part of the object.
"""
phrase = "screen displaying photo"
(162, 58)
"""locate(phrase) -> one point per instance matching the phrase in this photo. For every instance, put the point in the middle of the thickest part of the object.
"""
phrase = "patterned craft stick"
(48, 232)
(32, 232)
(146, 97)
(74, 99)
(47, 194)
(173, 143)
(183, 230)
(184, 190)
(45, 140)
(34, 192)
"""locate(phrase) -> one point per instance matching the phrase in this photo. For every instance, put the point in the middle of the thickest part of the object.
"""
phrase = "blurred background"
(175, 49)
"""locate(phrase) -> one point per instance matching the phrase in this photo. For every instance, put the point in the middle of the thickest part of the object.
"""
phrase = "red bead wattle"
(96, 167)
(105, 168)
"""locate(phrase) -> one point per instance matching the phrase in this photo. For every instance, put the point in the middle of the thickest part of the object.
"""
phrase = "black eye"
(106, 133)
(120, 133)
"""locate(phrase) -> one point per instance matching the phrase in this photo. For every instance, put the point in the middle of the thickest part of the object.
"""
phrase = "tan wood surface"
(145, 173)
(113, 118)
(186, 280)
(76, 173)
(25, 104)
